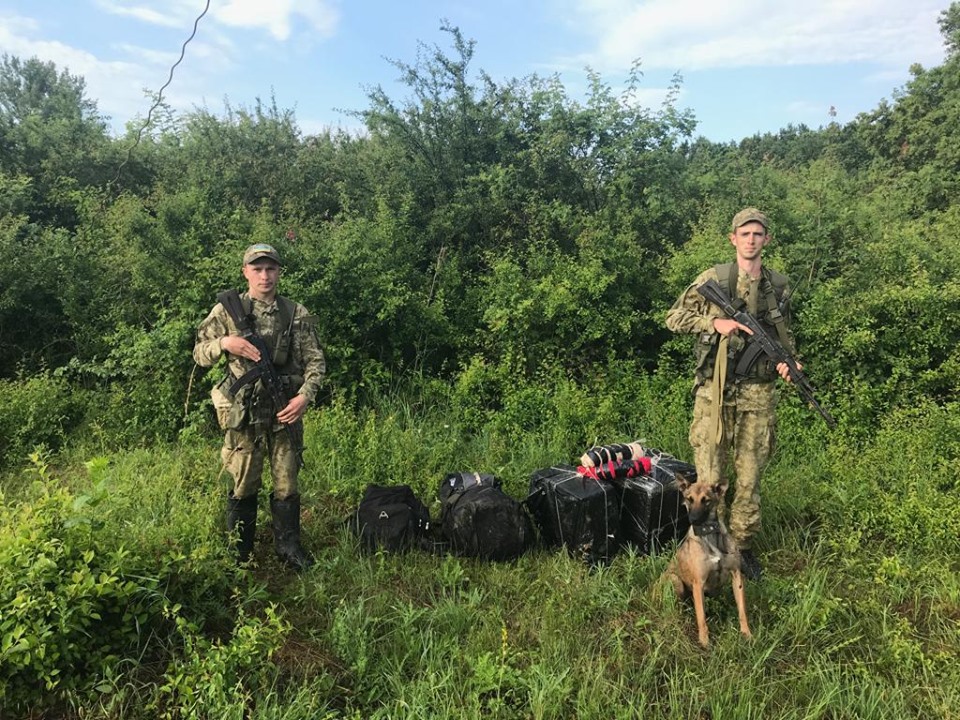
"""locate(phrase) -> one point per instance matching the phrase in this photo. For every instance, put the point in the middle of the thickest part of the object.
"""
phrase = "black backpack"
(478, 519)
(390, 518)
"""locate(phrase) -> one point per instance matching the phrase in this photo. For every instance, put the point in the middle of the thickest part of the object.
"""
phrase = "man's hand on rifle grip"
(293, 411)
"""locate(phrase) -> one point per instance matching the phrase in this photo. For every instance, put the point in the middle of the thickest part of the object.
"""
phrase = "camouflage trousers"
(244, 452)
(750, 430)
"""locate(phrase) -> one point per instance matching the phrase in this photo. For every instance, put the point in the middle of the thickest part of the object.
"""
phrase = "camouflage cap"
(750, 214)
(261, 250)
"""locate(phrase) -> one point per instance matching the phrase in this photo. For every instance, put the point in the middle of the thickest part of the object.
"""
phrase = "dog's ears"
(683, 482)
(719, 489)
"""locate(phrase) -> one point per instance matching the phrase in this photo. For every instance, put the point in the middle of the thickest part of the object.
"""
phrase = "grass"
(857, 615)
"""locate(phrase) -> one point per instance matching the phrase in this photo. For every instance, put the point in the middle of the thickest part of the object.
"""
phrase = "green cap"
(261, 250)
(750, 214)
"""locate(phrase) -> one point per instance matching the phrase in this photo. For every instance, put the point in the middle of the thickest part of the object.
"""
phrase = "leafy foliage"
(501, 220)
(37, 412)
(70, 607)
(490, 263)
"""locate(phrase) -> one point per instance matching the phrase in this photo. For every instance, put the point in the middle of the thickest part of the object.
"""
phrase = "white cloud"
(700, 34)
(119, 85)
(278, 17)
(214, 55)
(807, 108)
(172, 14)
(103, 78)
(311, 126)
(121, 76)
(649, 97)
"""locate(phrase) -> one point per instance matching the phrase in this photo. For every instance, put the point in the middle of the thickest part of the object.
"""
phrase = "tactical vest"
(279, 342)
(772, 288)
(251, 403)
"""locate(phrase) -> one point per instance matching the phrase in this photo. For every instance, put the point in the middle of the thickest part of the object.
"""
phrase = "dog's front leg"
(697, 590)
(738, 595)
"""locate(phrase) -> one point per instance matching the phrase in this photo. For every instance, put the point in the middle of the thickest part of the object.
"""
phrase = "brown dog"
(707, 555)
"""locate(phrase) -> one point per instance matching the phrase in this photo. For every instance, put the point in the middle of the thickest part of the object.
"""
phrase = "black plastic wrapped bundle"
(578, 513)
(652, 510)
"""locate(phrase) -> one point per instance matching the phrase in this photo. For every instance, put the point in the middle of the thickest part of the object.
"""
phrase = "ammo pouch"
(706, 353)
(239, 415)
(233, 411)
(291, 385)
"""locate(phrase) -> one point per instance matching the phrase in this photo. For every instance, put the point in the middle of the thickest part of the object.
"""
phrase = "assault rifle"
(761, 342)
(263, 370)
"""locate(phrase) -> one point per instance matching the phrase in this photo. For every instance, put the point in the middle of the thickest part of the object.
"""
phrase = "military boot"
(242, 521)
(749, 565)
(286, 532)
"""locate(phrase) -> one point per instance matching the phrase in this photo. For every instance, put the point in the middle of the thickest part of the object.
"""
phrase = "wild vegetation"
(491, 263)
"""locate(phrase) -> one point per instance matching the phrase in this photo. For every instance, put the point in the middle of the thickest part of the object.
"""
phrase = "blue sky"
(748, 66)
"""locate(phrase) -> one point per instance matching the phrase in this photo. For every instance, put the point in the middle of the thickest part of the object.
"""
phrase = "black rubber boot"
(286, 532)
(749, 565)
(242, 520)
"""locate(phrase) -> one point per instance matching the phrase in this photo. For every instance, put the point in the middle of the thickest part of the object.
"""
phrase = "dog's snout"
(698, 512)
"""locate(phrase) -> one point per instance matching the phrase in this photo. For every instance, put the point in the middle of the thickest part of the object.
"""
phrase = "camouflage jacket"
(694, 314)
(304, 366)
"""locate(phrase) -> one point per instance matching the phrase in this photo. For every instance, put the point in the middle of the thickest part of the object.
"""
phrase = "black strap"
(727, 274)
(773, 309)
(242, 318)
(240, 311)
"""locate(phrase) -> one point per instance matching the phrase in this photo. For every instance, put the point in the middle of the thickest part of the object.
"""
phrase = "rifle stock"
(770, 347)
(262, 370)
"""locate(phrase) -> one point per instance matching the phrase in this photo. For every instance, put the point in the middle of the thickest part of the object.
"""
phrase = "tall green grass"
(858, 614)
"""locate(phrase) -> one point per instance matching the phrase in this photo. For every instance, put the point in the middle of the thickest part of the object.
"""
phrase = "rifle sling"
(728, 274)
(775, 315)
(230, 299)
(242, 317)
(718, 386)
(248, 377)
(240, 311)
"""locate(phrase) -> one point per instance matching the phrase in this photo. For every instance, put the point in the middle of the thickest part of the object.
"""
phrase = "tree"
(949, 22)
(52, 133)
(918, 136)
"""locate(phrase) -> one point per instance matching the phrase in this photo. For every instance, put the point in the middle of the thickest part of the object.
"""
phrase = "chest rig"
(254, 401)
(745, 361)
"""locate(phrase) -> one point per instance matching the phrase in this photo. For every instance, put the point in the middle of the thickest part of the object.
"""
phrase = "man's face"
(262, 276)
(749, 240)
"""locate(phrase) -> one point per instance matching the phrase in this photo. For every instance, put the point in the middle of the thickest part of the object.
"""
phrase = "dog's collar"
(710, 527)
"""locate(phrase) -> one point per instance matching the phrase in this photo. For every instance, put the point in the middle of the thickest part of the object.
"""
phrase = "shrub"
(220, 679)
(69, 608)
(83, 591)
(37, 411)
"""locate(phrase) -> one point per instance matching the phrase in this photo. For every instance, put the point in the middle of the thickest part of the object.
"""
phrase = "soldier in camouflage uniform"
(736, 409)
(254, 428)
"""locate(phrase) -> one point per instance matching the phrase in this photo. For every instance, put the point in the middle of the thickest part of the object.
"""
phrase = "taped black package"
(578, 513)
(652, 511)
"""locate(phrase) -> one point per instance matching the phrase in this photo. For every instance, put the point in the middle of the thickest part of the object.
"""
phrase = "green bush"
(36, 411)
(95, 575)
(895, 492)
(214, 678)
(141, 386)
(68, 603)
